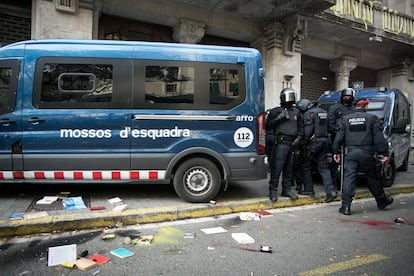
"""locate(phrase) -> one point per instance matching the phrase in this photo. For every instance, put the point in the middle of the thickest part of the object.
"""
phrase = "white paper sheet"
(214, 230)
(242, 238)
(58, 254)
(47, 200)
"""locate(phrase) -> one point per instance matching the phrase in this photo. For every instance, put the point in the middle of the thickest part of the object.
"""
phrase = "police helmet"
(304, 104)
(347, 92)
(288, 96)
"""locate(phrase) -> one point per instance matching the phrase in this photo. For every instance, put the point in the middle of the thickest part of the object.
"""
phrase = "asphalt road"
(307, 240)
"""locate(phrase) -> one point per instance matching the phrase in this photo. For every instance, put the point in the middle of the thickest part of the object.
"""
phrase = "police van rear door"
(179, 105)
(10, 117)
(401, 128)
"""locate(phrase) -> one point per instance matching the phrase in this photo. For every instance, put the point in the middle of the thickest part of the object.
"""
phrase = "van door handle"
(7, 121)
(36, 120)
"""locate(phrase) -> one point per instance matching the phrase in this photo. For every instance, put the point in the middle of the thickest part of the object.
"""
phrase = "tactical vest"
(289, 126)
(358, 129)
(319, 117)
(341, 111)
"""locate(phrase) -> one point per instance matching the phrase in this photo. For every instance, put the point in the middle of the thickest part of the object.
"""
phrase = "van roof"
(370, 93)
(116, 48)
(120, 43)
(126, 43)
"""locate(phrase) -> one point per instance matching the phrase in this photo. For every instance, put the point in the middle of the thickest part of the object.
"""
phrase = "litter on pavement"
(213, 230)
(242, 238)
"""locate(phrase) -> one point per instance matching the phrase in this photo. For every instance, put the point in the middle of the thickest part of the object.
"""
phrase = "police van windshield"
(377, 108)
(374, 107)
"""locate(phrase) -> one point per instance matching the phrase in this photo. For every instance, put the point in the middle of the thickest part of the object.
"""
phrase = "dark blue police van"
(393, 108)
(88, 111)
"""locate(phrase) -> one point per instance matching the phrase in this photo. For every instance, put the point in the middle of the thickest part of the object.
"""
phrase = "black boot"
(345, 210)
(311, 194)
(330, 197)
(384, 202)
(273, 195)
(290, 195)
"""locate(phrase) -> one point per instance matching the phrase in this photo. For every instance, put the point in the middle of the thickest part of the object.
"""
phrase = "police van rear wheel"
(388, 175)
(197, 180)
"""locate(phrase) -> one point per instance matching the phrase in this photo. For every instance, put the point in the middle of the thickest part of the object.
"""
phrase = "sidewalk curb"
(102, 219)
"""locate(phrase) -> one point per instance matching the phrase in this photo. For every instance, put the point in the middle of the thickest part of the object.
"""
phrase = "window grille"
(68, 6)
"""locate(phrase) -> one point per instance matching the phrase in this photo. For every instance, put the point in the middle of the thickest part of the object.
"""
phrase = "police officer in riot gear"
(335, 114)
(318, 146)
(300, 155)
(361, 134)
(269, 142)
(287, 126)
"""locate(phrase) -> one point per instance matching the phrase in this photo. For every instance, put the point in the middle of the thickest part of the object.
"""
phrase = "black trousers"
(281, 162)
(360, 160)
(319, 152)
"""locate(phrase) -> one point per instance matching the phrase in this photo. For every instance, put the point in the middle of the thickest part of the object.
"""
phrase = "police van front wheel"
(197, 180)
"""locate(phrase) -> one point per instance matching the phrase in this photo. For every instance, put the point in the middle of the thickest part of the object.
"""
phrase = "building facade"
(309, 45)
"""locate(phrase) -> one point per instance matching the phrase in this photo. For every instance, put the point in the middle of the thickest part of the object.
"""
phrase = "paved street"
(305, 240)
(149, 203)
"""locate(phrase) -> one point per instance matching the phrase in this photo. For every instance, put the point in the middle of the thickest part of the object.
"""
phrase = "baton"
(341, 168)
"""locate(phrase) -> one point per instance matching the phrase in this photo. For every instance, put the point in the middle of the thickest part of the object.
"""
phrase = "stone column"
(282, 58)
(189, 31)
(342, 67)
(97, 8)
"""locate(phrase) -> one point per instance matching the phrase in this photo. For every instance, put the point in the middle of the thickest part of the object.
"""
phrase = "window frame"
(121, 81)
(14, 65)
(201, 99)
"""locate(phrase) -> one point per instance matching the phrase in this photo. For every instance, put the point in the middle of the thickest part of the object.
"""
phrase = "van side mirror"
(402, 126)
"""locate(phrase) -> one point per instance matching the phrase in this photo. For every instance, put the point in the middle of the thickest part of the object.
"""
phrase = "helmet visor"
(288, 96)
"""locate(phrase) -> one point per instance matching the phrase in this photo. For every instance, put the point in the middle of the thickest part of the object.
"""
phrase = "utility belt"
(366, 148)
(314, 138)
(284, 139)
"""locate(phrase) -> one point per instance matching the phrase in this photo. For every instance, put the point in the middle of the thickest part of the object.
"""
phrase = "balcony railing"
(394, 23)
(372, 14)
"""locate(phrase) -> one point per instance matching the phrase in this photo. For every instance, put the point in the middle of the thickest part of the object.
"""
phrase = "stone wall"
(48, 22)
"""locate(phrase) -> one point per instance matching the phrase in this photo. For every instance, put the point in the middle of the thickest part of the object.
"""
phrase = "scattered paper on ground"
(99, 259)
(214, 230)
(59, 254)
(249, 216)
(242, 238)
(73, 203)
(143, 240)
(115, 200)
(16, 216)
(47, 200)
(264, 213)
(189, 235)
(85, 264)
(122, 252)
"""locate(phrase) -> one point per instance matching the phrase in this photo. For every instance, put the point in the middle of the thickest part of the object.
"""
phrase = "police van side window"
(224, 85)
(8, 85)
(181, 85)
(169, 84)
(82, 83)
(76, 83)
(401, 113)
